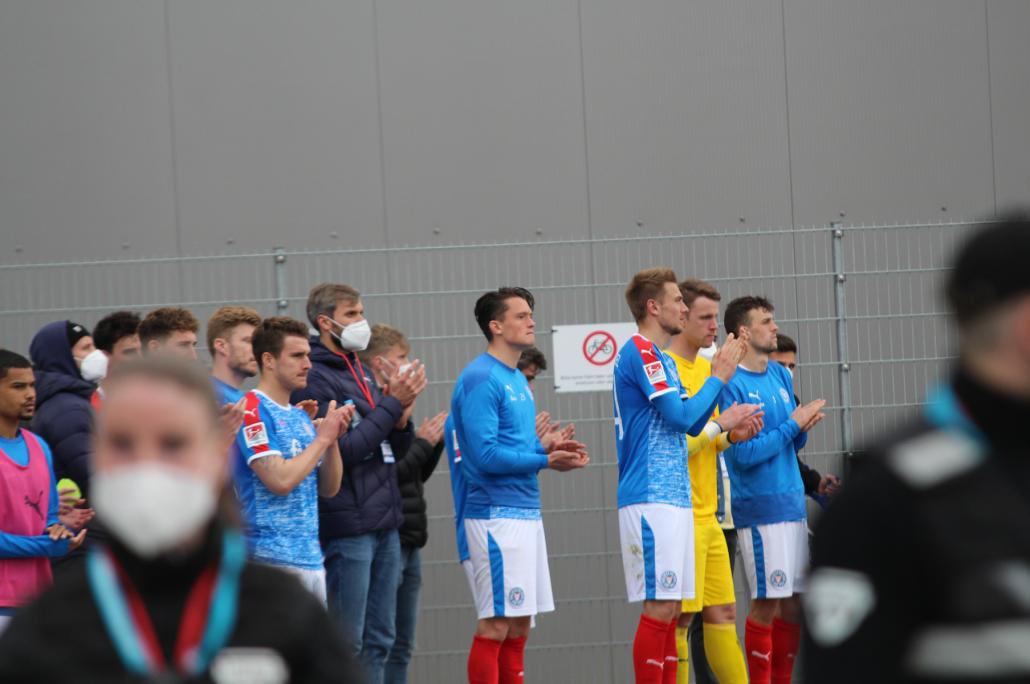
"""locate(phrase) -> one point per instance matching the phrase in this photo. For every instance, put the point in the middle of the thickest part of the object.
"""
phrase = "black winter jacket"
(921, 565)
(412, 472)
(369, 498)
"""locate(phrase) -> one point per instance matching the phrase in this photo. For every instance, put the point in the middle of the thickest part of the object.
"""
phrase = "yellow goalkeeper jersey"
(703, 453)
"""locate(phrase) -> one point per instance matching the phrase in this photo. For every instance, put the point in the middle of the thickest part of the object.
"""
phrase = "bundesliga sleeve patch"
(255, 435)
(655, 372)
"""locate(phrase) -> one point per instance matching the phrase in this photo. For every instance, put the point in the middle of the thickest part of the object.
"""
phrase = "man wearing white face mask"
(172, 598)
(66, 369)
(359, 526)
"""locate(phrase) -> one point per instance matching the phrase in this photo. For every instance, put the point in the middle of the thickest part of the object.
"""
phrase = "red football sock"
(649, 647)
(671, 656)
(511, 660)
(758, 643)
(785, 639)
(483, 661)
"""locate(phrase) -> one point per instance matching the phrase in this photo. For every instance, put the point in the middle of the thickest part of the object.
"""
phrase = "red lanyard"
(191, 624)
(359, 379)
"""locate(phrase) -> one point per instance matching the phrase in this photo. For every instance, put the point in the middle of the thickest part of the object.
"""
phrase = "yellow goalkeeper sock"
(723, 652)
(683, 652)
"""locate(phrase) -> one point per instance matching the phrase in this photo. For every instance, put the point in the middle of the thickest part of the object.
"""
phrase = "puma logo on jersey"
(253, 413)
(34, 505)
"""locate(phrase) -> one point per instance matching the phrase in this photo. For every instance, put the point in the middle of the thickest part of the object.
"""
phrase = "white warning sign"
(584, 355)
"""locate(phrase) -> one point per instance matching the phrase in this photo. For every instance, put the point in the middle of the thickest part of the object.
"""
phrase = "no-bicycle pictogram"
(599, 348)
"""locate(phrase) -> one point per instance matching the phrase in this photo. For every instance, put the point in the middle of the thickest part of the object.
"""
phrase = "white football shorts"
(657, 543)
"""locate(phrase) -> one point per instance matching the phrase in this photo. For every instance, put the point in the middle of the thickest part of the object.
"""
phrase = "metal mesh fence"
(861, 301)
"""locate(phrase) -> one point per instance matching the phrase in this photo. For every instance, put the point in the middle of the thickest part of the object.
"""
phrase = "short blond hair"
(225, 319)
(647, 285)
(384, 337)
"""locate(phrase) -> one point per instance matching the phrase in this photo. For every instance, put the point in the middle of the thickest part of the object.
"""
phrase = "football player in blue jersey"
(653, 415)
(768, 495)
(291, 461)
(495, 430)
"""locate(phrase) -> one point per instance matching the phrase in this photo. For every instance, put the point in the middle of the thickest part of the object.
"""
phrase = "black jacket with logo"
(921, 565)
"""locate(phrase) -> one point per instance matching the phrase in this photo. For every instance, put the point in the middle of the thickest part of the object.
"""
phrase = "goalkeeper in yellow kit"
(714, 593)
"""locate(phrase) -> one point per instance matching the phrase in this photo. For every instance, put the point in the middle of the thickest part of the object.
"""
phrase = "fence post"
(843, 365)
(281, 303)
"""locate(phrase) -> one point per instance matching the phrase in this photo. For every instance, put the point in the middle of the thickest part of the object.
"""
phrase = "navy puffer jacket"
(64, 416)
(369, 498)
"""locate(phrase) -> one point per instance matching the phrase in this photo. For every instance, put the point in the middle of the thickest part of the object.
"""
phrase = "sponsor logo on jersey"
(668, 580)
(778, 579)
(255, 435)
(516, 597)
(655, 372)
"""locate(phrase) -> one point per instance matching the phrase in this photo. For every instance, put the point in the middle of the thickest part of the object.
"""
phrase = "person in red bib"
(173, 597)
(30, 533)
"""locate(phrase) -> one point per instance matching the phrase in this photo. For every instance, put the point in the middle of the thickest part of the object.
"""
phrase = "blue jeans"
(407, 614)
(362, 574)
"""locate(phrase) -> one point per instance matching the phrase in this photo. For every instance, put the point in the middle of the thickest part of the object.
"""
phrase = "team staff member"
(768, 497)
(290, 462)
(173, 597)
(30, 532)
(359, 526)
(66, 371)
(495, 422)
(652, 413)
(713, 580)
(920, 564)
(388, 350)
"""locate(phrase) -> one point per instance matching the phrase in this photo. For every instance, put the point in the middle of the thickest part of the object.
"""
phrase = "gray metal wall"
(141, 128)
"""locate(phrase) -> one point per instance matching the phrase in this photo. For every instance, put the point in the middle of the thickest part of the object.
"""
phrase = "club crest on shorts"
(516, 597)
(778, 579)
(668, 580)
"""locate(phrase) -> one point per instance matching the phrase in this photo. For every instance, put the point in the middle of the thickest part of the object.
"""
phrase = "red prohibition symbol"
(599, 348)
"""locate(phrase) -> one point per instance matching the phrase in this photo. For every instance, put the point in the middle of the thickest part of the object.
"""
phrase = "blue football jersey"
(652, 452)
(495, 421)
(282, 530)
(457, 486)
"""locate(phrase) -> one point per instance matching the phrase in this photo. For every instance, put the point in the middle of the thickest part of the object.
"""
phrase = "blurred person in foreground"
(172, 598)
(944, 596)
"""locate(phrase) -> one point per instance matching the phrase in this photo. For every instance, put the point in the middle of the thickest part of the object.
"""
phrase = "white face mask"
(93, 366)
(152, 507)
(353, 337)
